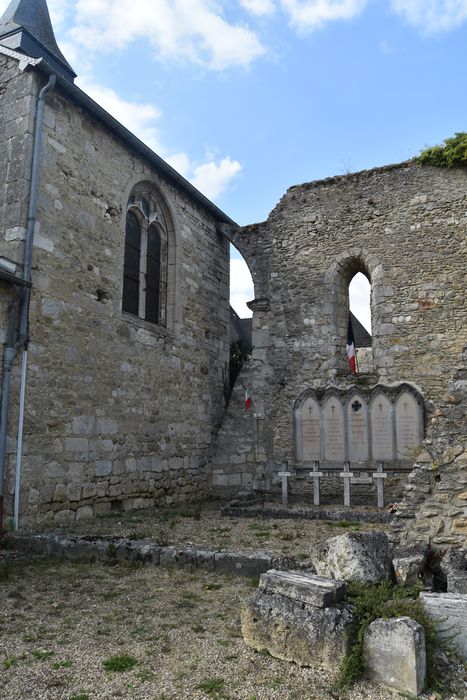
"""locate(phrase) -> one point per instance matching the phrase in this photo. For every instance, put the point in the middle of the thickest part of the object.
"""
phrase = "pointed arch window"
(146, 259)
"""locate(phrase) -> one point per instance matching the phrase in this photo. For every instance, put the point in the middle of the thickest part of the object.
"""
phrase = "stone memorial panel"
(382, 433)
(408, 425)
(334, 430)
(357, 422)
(311, 430)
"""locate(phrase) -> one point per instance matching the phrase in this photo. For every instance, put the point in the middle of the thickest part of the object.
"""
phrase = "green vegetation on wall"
(453, 151)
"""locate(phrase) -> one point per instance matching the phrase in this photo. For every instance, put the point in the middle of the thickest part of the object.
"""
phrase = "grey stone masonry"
(120, 412)
(449, 612)
(297, 631)
(303, 587)
(355, 556)
(457, 582)
(394, 654)
(404, 226)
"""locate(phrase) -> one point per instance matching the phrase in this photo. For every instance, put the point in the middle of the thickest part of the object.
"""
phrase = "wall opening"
(241, 292)
(359, 304)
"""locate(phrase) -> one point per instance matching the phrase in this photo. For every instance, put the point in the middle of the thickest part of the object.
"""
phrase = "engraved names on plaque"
(408, 432)
(357, 422)
(334, 430)
(311, 430)
(382, 433)
(383, 424)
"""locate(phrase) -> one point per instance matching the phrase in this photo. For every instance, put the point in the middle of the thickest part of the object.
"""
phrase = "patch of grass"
(345, 524)
(162, 538)
(386, 601)
(275, 683)
(82, 696)
(108, 595)
(120, 663)
(212, 686)
(137, 535)
(10, 661)
(6, 571)
(62, 664)
(212, 586)
(41, 655)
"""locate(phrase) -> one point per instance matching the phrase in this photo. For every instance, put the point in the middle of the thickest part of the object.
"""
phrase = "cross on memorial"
(316, 475)
(380, 476)
(346, 475)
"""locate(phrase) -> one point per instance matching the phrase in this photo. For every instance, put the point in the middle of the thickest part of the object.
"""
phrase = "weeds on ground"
(120, 663)
(212, 686)
(385, 601)
(83, 696)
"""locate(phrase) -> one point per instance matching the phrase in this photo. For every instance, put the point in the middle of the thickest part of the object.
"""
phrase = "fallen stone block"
(409, 565)
(355, 556)
(295, 631)
(305, 588)
(457, 582)
(394, 654)
(449, 612)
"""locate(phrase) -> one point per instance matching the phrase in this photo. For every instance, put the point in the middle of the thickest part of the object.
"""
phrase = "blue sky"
(248, 97)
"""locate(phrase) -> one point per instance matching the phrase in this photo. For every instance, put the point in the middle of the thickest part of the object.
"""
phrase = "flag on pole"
(248, 401)
(350, 348)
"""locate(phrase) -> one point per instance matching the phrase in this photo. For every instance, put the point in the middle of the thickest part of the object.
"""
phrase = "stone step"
(303, 587)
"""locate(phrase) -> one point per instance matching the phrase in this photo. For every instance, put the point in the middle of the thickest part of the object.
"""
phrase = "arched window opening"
(145, 275)
(359, 305)
(241, 292)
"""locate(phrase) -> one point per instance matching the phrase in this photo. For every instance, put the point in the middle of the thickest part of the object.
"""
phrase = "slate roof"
(25, 26)
(362, 337)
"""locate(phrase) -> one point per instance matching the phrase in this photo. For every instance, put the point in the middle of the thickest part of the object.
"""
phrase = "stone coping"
(237, 509)
(147, 551)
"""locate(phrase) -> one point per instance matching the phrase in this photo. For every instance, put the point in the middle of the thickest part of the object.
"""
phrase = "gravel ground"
(204, 526)
(61, 621)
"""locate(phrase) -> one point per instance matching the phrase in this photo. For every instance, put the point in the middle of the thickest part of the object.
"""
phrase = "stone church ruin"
(114, 275)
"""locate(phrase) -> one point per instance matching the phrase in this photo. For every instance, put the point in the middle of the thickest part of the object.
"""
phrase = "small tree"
(453, 151)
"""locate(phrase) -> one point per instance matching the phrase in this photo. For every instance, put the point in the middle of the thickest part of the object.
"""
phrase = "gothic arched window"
(146, 259)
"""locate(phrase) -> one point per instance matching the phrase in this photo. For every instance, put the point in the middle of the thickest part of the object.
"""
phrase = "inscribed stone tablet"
(408, 433)
(382, 444)
(334, 434)
(357, 421)
(311, 430)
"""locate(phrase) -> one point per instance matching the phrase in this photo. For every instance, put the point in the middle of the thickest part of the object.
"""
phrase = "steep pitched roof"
(25, 26)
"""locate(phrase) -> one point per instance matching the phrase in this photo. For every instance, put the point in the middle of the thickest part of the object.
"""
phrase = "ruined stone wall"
(434, 505)
(119, 412)
(405, 227)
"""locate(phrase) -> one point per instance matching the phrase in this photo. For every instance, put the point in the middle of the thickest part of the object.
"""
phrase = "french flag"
(248, 402)
(350, 348)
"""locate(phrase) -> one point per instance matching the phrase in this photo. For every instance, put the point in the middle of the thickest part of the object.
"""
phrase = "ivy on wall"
(453, 151)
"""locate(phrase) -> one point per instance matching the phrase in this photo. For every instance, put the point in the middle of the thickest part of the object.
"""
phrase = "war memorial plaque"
(382, 433)
(408, 433)
(357, 422)
(311, 430)
(334, 432)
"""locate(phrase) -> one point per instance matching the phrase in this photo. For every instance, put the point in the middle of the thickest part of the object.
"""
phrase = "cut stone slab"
(409, 565)
(355, 556)
(306, 588)
(394, 654)
(295, 631)
(457, 582)
(449, 612)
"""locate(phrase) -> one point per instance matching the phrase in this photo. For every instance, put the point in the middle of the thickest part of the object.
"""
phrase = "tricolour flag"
(350, 348)
(248, 401)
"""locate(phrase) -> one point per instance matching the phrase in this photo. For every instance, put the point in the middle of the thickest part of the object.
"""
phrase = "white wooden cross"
(346, 475)
(380, 476)
(316, 475)
(285, 486)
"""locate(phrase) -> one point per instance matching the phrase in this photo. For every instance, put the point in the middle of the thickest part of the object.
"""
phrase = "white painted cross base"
(346, 475)
(285, 486)
(316, 475)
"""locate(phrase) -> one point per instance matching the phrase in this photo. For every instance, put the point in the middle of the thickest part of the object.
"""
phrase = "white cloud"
(259, 7)
(307, 15)
(241, 286)
(212, 178)
(193, 30)
(432, 15)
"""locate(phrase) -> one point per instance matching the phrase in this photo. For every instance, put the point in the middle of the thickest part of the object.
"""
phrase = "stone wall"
(119, 412)
(404, 226)
(434, 505)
